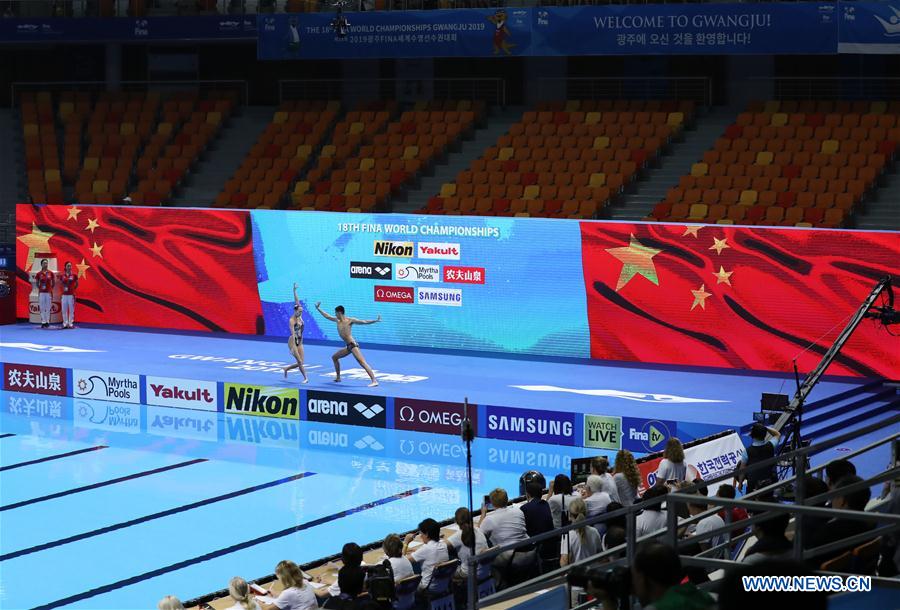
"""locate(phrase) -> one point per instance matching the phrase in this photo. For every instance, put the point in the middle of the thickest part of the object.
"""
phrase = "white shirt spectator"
(463, 552)
(608, 484)
(401, 567)
(578, 549)
(668, 471)
(596, 503)
(255, 606)
(627, 493)
(708, 524)
(293, 598)
(504, 526)
(429, 555)
(649, 521)
(556, 503)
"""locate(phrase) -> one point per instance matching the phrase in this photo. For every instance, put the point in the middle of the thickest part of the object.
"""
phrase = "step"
(850, 420)
(840, 408)
(858, 390)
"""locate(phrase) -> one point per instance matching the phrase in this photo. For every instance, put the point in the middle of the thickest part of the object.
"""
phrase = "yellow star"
(719, 245)
(691, 230)
(73, 211)
(637, 259)
(37, 241)
(92, 224)
(97, 250)
(723, 277)
(82, 268)
(700, 297)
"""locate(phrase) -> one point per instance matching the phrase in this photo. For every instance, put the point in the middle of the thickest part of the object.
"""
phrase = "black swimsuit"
(298, 333)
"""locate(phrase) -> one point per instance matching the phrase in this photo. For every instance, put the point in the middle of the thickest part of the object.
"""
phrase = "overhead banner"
(870, 27)
(87, 29)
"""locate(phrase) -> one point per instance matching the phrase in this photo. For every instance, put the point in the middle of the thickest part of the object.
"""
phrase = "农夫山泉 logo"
(394, 249)
(107, 386)
(430, 416)
(262, 400)
(370, 271)
(350, 409)
(394, 294)
(450, 252)
(463, 275)
(35, 379)
(646, 435)
(531, 425)
(603, 432)
(418, 273)
(447, 297)
(182, 393)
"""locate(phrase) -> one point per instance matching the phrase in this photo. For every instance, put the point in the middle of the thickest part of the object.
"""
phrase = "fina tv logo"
(107, 386)
(892, 24)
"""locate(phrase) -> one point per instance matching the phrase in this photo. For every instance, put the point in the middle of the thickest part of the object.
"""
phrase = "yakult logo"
(182, 393)
(438, 251)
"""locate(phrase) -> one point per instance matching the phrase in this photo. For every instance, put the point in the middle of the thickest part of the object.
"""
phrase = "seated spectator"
(762, 447)
(239, 591)
(431, 553)
(736, 512)
(170, 602)
(352, 571)
(581, 542)
(771, 542)
(813, 486)
(733, 595)
(461, 542)
(652, 518)
(558, 496)
(594, 497)
(839, 528)
(614, 537)
(539, 520)
(506, 525)
(600, 468)
(656, 575)
(393, 552)
(627, 477)
(673, 469)
(620, 521)
(705, 525)
(836, 470)
(297, 595)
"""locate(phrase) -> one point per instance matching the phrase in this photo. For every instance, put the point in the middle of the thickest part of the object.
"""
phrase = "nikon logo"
(258, 400)
(395, 249)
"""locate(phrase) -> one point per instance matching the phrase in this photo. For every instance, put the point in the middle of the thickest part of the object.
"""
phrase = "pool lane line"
(129, 477)
(53, 457)
(225, 551)
(7, 435)
(166, 513)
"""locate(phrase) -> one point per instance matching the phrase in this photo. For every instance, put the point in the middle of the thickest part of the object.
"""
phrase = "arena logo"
(370, 271)
(260, 400)
(107, 386)
(447, 297)
(430, 416)
(337, 408)
(182, 393)
(450, 252)
(531, 425)
(419, 273)
(393, 249)
(394, 294)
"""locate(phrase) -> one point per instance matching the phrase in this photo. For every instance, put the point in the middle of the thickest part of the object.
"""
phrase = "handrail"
(697, 88)
(489, 89)
(825, 87)
(132, 85)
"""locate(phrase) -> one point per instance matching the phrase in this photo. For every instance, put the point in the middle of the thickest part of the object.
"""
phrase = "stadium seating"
(789, 164)
(564, 159)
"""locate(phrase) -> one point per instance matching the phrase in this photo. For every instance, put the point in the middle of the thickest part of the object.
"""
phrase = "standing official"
(45, 280)
(69, 283)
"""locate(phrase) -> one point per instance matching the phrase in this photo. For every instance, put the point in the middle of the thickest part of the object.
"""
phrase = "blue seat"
(405, 592)
(439, 592)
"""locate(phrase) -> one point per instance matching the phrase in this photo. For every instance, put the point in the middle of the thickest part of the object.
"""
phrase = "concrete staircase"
(653, 187)
(884, 211)
(498, 124)
(224, 157)
(11, 156)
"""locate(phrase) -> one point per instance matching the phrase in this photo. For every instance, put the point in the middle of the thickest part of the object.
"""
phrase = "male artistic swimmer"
(344, 324)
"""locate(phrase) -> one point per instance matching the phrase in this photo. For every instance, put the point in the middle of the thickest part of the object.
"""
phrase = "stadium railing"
(697, 89)
(489, 90)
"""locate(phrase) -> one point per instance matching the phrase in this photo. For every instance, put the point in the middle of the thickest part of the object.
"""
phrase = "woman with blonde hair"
(296, 594)
(581, 542)
(240, 593)
(170, 602)
(627, 477)
(672, 467)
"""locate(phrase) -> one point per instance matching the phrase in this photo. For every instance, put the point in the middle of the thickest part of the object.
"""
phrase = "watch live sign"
(35, 379)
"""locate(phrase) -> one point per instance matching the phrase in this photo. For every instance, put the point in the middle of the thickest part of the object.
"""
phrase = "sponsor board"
(263, 431)
(448, 252)
(35, 379)
(394, 294)
(709, 460)
(25, 405)
(530, 458)
(327, 437)
(448, 297)
(106, 386)
(106, 415)
(182, 393)
(646, 435)
(463, 275)
(603, 432)
(429, 416)
(262, 400)
(531, 425)
(393, 249)
(418, 273)
(371, 271)
(350, 409)
(172, 421)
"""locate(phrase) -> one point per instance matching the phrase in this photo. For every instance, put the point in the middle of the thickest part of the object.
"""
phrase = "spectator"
(170, 602)
(351, 572)
(813, 486)
(890, 548)
(627, 477)
(771, 543)
(506, 525)
(539, 520)
(672, 468)
(652, 518)
(581, 542)
(655, 577)
(839, 528)
(558, 496)
(737, 513)
(733, 595)
(619, 521)
(297, 595)
(837, 470)
(462, 541)
(431, 553)
(594, 497)
(762, 447)
(393, 551)
(240, 593)
(600, 468)
(705, 525)
(614, 537)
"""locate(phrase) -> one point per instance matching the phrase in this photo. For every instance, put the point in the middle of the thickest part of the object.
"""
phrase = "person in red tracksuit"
(69, 283)
(45, 280)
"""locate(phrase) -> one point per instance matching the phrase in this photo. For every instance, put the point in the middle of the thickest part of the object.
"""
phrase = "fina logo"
(368, 412)
(892, 24)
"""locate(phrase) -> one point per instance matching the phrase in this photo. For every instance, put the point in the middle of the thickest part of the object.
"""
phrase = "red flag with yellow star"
(741, 297)
(153, 267)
